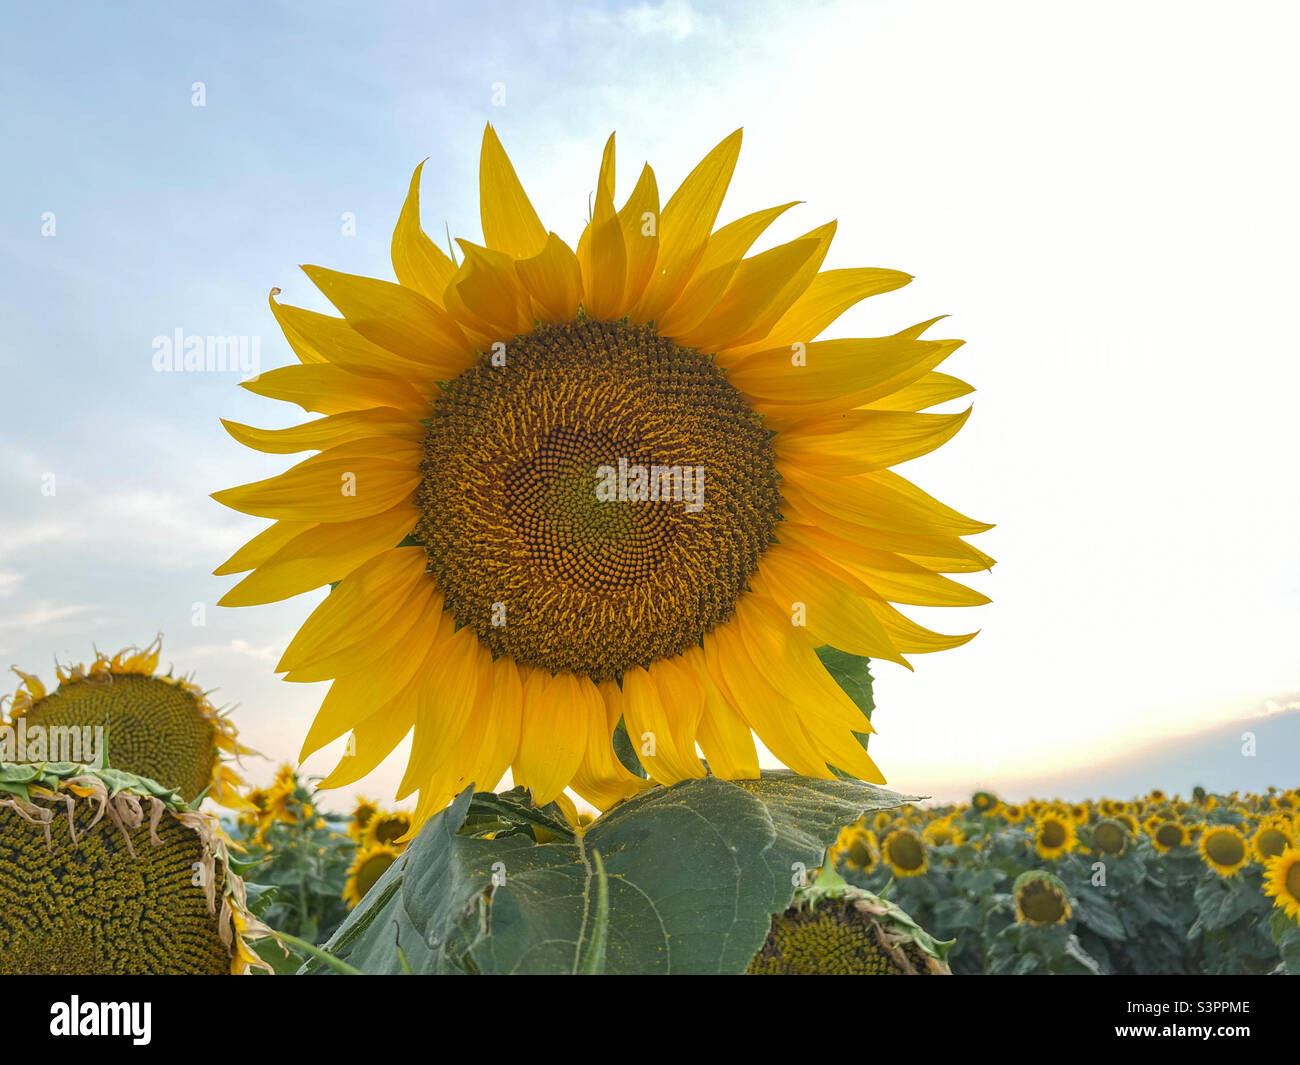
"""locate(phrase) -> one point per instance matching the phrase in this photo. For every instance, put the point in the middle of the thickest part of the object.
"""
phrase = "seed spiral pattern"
(528, 554)
(152, 727)
(92, 908)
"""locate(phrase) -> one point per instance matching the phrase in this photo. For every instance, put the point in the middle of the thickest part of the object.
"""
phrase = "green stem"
(337, 964)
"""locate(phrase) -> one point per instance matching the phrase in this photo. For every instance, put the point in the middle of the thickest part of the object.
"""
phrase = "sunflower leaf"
(688, 879)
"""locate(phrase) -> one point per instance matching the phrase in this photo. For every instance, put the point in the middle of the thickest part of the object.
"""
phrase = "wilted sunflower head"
(371, 862)
(153, 725)
(1282, 882)
(904, 852)
(1110, 836)
(103, 872)
(1223, 848)
(832, 928)
(1040, 898)
(558, 488)
(1054, 836)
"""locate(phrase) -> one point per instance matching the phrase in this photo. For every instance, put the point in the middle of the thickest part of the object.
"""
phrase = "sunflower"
(1223, 848)
(367, 867)
(904, 853)
(364, 810)
(1054, 836)
(557, 489)
(1013, 813)
(1282, 881)
(942, 833)
(1272, 838)
(1040, 899)
(387, 826)
(1166, 835)
(1110, 836)
(858, 848)
(105, 872)
(157, 726)
(984, 802)
(1080, 813)
(1130, 822)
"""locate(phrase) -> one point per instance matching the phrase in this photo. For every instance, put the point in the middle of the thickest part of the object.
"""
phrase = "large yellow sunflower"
(561, 488)
(1282, 881)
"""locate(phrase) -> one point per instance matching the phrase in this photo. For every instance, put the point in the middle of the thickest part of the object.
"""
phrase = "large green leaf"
(691, 877)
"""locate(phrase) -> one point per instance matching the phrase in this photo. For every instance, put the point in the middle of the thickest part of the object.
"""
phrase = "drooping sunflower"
(103, 872)
(1282, 881)
(562, 488)
(370, 863)
(1054, 836)
(1040, 898)
(1223, 848)
(158, 726)
(904, 852)
(1271, 838)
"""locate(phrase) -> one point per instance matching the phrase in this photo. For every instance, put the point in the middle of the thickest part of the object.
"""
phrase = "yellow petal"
(321, 554)
(553, 740)
(489, 289)
(329, 431)
(639, 221)
(262, 546)
(510, 224)
(685, 225)
(328, 389)
(376, 736)
(341, 484)
(831, 611)
(828, 295)
(856, 441)
(398, 319)
(930, 390)
(885, 500)
(417, 261)
(363, 601)
(663, 738)
(554, 279)
(602, 255)
(446, 702)
(601, 778)
(722, 258)
(763, 289)
(724, 737)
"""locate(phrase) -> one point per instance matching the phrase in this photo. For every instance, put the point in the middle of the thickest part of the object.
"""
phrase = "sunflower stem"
(335, 963)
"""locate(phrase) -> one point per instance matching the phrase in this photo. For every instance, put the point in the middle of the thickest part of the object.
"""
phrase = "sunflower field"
(1156, 884)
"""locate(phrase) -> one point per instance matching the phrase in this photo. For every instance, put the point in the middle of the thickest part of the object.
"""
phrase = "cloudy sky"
(1100, 195)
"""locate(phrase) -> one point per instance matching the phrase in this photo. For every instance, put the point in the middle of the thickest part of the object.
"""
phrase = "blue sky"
(1100, 195)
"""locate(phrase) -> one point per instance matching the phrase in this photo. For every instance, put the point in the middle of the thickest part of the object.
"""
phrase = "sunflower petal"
(417, 261)
(553, 278)
(510, 224)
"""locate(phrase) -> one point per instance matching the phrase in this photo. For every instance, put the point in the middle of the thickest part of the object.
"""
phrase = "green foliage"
(681, 879)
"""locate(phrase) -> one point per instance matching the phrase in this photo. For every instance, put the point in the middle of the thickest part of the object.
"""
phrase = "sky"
(1100, 196)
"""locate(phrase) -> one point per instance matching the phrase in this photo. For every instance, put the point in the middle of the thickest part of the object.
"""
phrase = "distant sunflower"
(364, 810)
(1223, 848)
(1110, 836)
(502, 493)
(1272, 838)
(904, 853)
(370, 863)
(1282, 881)
(984, 802)
(942, 832)
(1166, 835)
(1054, 836)
(387, 827)
(1013, 813)
(861, 850)
(1081, 812)
(157, 726)
(1040, 899)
